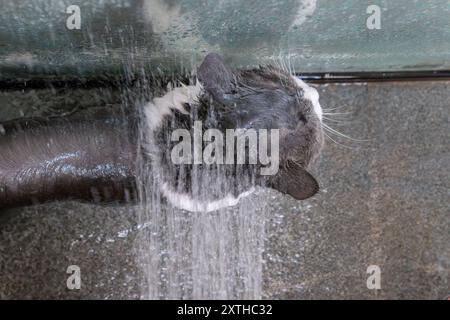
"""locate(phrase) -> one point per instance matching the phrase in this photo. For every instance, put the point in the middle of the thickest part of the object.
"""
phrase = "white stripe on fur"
(185, 202)
(174, 99)
(312, 95)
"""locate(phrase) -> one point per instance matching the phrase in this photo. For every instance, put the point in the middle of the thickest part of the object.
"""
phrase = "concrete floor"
(384, 201)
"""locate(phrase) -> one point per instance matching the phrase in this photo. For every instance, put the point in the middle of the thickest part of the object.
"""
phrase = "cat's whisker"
(331, 130)
(331, 109)
(291, 68)
(285, 68)
(336, 120)
(337, 117)
(337, 113)
(338, 143)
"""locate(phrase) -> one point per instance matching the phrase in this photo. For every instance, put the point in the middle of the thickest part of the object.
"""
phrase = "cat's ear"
(216, 77)
(294, 180)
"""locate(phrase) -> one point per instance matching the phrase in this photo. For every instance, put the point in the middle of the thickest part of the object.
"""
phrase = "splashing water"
(185, 255)
(216, 255)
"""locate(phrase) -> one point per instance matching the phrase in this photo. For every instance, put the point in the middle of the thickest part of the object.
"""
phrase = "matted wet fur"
(260, 98)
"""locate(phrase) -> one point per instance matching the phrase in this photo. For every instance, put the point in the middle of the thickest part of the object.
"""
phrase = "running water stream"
(184, 255)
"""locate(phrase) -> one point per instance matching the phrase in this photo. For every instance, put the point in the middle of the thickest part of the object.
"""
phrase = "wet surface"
(382, 202)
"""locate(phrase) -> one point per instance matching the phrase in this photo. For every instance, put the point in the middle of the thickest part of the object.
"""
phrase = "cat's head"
(270, 98)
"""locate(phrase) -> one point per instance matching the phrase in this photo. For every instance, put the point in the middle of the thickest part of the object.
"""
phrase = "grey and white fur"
(261, 98)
